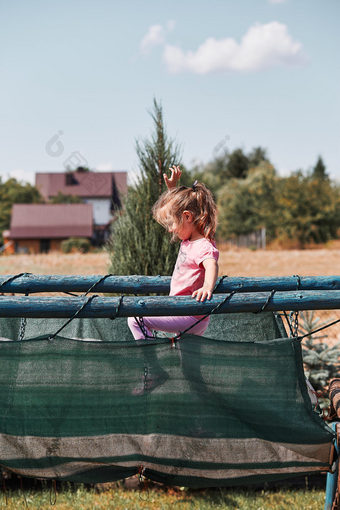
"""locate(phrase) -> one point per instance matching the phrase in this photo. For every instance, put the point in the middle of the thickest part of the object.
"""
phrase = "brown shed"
(42, 227)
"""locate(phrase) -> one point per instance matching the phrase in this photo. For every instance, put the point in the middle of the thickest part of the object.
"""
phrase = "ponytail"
(197, 199)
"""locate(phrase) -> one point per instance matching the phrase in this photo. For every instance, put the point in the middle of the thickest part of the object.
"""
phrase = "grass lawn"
(119, 498)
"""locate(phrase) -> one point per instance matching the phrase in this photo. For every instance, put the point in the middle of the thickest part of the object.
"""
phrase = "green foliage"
(303, 208)
(65, 199)
(138, 245)
(300, 207)
(229, 165)
(15, 192)
(309, 209)
(80, 244)
(257, 156)
(246, 205)
(321, 360)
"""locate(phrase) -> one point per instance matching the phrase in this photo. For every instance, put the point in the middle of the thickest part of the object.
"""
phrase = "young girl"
(189, 213)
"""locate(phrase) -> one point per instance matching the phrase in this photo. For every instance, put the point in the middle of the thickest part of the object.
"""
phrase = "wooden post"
(135, 284)
(166, 305)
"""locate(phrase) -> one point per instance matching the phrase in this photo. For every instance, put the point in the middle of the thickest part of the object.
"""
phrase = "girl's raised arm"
(172, 181)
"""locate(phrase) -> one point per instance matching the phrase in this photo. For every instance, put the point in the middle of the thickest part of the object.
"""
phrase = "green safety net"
(94, 405)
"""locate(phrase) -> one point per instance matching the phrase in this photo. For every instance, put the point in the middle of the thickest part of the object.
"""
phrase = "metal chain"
(22, 328)
(294, 316)
(294, 321)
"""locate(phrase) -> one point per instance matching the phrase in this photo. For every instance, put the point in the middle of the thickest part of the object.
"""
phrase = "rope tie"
(73, 316)
(97, 283)
(93, 286)
(298, 283)
(220, 280)
(12, 278)
(214, 310)
(117, 308)
(263, 307)
(101, 279)
(319, 329)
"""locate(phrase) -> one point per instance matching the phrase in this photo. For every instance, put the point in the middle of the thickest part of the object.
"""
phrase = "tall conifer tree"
(319, 170)
(139, 245)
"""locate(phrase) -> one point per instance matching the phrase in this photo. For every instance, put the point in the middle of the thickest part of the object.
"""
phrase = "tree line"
(303, 207)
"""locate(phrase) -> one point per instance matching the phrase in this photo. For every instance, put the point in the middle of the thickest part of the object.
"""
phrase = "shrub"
(80, 244)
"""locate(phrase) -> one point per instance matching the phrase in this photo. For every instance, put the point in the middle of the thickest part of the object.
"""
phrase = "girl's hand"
(202, 294)
(171, 182)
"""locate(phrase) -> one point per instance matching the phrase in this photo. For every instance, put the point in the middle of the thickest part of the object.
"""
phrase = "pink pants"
(167, 324)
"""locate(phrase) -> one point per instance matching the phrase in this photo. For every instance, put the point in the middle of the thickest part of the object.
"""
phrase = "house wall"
(33, 245)
(8, 247)
(101, 210)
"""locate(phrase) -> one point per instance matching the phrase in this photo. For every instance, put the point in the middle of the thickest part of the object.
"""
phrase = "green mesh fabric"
(236, 327)
(94, 405)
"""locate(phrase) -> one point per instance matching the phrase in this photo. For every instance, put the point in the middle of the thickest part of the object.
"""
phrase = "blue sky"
(78, 80)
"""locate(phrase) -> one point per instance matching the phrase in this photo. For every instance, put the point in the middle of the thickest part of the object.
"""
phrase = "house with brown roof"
(39, 228)
(103, 190)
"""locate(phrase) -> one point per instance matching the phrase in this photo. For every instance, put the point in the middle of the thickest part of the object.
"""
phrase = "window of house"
(45, 245)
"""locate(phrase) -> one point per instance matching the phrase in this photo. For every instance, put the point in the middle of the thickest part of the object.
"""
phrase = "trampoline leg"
(332, 480)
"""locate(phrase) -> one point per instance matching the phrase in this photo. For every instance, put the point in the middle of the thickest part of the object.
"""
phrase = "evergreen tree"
(139, 245)
(238, 165)
(257, 156)
(319, 171)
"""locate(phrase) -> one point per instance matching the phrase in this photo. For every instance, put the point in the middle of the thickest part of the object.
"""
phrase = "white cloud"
(262, 47)
(155, 36)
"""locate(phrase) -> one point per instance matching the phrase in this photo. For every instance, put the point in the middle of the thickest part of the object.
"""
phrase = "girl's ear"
(188, 216)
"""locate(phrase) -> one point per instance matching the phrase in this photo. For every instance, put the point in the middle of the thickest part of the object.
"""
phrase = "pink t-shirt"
(188, 274)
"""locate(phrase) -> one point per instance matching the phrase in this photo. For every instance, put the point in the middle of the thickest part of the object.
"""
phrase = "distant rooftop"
(51, 221)
(82, 184)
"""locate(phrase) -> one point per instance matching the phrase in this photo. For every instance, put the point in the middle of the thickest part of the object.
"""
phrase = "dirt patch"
(280, 263)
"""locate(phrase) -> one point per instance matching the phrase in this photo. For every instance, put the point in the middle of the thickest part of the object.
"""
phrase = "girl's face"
(184, 229)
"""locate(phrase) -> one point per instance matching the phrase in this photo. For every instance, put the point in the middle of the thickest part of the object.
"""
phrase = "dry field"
(232, 262)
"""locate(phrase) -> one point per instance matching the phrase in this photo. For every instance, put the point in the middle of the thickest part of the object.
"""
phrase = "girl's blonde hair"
(197, 199)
